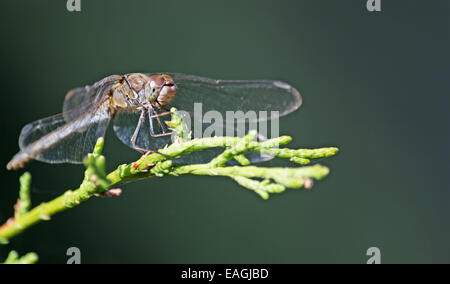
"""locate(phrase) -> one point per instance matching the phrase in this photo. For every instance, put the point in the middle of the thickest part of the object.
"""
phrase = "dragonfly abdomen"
(52, 147)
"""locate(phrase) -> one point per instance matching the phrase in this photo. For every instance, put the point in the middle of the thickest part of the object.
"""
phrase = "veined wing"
(230, 95)
(125, 123)
(54, 140)
(214, 95)
(81, 100)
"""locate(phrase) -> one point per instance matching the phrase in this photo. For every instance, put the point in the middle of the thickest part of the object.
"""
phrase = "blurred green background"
(374, 84)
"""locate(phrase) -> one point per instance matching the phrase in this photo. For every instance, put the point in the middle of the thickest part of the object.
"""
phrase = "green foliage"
(262, 180)
(29, 258)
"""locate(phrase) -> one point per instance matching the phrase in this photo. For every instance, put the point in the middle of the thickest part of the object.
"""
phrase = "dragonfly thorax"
(139, 90)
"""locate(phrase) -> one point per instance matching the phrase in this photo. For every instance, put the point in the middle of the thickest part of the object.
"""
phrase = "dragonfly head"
(161, 89)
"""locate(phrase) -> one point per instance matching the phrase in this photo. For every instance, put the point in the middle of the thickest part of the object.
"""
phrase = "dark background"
(374, 84)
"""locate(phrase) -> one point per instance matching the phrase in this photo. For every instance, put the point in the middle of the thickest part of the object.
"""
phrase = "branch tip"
(13, 258)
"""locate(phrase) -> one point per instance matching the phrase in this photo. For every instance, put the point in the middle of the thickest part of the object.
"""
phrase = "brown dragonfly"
(137, 103)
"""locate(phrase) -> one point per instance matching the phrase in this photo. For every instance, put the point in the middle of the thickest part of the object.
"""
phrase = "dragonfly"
(137, 104)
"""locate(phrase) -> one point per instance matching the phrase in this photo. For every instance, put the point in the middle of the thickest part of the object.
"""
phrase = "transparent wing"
(84, 99)
(125, 123)
(220, 96)
(54, 140)
(223, 96)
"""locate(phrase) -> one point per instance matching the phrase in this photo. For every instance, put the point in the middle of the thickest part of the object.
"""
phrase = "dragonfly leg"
(136, 133)
(161, 114)
(161, 127)
(151, 116)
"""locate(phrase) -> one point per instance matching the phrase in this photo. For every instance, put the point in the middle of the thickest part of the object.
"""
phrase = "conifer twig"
(262, 180)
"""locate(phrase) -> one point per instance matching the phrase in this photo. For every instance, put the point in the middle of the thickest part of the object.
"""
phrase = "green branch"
(24, 202)
(13, 258)
(261, 180)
